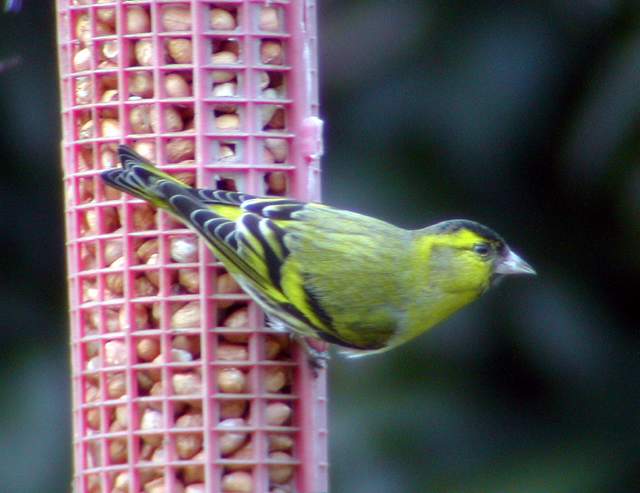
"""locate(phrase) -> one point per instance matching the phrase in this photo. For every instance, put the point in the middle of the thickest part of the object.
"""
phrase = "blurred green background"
(522, 115)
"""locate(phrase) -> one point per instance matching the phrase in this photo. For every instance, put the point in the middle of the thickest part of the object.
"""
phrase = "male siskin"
(331, 274)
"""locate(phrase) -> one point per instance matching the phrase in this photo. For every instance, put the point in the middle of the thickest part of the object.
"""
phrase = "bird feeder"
(179, 384)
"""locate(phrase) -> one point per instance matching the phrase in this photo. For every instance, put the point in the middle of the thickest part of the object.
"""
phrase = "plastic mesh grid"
(178, 385)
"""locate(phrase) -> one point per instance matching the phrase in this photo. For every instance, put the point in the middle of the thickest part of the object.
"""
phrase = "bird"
(329, 274)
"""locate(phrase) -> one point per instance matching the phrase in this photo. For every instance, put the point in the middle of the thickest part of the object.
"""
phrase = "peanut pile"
(175, 380)
(152, 100)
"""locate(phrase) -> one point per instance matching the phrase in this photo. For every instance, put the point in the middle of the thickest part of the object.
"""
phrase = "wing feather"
(249, 234)
(255, 246)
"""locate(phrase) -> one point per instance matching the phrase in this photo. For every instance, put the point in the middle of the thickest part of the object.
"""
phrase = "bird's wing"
(232, 204)
(244, 232)
(241, 229)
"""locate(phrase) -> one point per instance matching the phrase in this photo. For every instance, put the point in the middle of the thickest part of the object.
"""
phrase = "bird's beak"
(513, 264)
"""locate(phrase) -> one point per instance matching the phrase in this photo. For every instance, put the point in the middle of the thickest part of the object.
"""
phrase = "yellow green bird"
(327, 273)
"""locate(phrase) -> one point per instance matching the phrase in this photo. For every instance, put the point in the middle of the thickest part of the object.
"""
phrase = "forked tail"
(192, 206)
(142, 179)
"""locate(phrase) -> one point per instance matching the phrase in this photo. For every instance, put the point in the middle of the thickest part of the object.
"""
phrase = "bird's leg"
(317, 351)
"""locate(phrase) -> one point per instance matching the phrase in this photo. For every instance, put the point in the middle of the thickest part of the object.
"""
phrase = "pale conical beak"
(513, 264)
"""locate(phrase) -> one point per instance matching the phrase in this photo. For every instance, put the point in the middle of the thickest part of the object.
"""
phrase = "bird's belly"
(366, 329)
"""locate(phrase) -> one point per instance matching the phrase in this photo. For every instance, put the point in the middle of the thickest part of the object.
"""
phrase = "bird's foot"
(317, 353)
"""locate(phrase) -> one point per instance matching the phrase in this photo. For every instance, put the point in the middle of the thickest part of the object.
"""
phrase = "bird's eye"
(481, 249)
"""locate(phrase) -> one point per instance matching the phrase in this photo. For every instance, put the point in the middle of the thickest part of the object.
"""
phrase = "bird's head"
(467, 256)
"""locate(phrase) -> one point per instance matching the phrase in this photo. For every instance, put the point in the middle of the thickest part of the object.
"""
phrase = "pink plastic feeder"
(178, 385)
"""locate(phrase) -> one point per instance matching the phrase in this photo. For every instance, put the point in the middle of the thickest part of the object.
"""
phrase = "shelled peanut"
(142, 119)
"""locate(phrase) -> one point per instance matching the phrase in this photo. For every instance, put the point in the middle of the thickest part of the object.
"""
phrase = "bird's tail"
(142, 179)
(190, 205)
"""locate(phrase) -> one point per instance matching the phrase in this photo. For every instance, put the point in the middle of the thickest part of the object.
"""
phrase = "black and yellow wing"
(247, 233)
